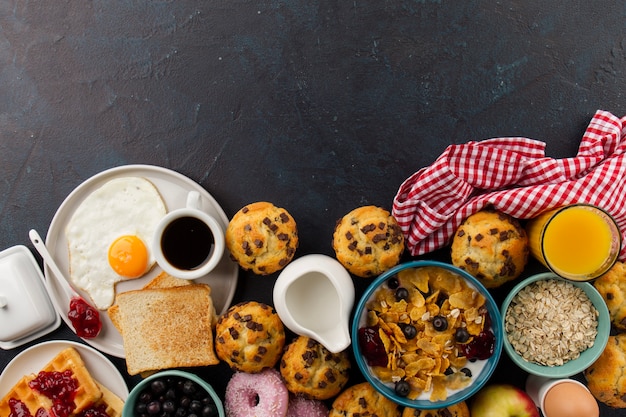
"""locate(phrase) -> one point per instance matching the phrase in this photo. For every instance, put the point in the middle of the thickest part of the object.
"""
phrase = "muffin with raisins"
(262, 238)
(363, 400)
(612, 287)
(311, 370)
(249, 337)
(492, 246)
(368, 241)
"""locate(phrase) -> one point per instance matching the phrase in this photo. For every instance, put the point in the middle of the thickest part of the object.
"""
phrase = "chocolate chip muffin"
(262, 238)
(368, 241)
(309, 369)
(249, 337)
(363, 400)
(492, 246)
(606, 378)
(457, 410)
(612, 287)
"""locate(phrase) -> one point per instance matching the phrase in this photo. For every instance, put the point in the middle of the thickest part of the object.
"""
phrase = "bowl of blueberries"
(427, 335)
(173, 393)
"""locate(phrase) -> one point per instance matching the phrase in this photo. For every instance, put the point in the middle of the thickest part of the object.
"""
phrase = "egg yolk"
(128, 256)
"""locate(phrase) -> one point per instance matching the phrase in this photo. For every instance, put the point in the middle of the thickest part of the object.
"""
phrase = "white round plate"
(33, 359)
(174, 188)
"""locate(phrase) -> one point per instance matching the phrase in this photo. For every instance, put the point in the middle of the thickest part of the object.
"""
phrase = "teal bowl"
(586, 358)
(135, 393)
(479, 380)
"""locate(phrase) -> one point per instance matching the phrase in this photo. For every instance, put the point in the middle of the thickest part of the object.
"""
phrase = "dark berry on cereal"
(409, 331)
(440, 323)
(402, 388)
(461, 335)
(393, 283)
(401, 294)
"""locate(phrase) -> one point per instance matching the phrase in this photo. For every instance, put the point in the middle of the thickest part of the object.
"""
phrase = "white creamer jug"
(313, 297)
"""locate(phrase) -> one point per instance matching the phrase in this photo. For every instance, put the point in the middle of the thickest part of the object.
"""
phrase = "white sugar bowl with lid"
(26, 311)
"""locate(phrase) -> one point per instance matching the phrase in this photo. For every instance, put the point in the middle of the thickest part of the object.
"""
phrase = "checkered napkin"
(514, 175)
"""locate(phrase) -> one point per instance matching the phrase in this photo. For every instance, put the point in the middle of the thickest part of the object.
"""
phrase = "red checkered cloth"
(513, 175)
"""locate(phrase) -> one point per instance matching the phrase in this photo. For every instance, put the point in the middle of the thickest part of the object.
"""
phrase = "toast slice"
(163, 280)
(166, 327)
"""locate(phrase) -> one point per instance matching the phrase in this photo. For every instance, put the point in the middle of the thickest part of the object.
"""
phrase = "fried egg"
(109, 236)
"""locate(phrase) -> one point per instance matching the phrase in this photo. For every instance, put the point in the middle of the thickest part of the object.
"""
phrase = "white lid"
(26, 311)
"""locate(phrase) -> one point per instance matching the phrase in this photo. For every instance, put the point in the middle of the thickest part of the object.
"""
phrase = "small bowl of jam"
(173, 392)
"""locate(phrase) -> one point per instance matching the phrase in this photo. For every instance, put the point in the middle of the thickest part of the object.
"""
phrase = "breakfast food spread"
(363, 400)
(262, 238)
(550, 322)
(62, 388)
(109, 235)
(368, 241)
(309, 369)
(250, 337)
(426, 332)
(166, 327)
(612, 287)
(605, 378)
(492, 246)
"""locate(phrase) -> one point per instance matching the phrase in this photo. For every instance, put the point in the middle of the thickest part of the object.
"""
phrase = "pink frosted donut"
(302, 407)
(261, 394)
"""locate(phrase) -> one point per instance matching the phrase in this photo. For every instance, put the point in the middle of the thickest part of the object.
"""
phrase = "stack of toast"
(89, 392)
(166, 324)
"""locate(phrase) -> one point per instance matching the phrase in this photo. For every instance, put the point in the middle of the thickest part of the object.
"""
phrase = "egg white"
(122, 206)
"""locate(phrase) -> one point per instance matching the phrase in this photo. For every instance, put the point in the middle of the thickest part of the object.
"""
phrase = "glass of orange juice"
(579, 242)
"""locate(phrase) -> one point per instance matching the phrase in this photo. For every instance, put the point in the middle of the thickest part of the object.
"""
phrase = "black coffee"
(187, 242)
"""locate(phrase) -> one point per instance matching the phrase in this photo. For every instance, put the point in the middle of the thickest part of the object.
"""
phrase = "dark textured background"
(318, 106)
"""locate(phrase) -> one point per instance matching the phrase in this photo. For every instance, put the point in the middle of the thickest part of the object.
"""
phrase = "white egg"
(128, 206)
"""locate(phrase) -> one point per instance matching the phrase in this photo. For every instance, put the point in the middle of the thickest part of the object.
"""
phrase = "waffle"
(22, 392)
(88, 393)
(112, 403)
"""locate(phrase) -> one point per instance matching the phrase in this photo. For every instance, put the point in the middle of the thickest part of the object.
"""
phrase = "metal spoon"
(68, 289)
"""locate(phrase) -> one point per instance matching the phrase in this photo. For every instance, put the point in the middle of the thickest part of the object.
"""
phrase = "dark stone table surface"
(317, 106)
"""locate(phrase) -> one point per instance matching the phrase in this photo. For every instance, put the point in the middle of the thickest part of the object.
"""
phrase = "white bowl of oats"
(554, 327)
(427, 335)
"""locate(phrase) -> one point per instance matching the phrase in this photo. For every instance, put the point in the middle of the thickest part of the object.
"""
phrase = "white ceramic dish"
(36, 357)
(26, 311)
(174, 188)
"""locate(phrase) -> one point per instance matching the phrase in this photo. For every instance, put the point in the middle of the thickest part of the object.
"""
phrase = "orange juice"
(578, 242)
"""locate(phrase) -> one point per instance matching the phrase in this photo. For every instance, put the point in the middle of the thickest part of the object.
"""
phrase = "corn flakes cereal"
(421, 330)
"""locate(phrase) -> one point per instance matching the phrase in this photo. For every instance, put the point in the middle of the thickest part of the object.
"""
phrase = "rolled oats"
(551, 322)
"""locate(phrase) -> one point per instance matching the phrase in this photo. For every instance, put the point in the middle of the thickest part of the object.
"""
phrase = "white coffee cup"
(188, 243)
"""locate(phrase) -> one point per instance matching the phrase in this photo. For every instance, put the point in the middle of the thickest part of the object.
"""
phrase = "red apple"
(503, 400)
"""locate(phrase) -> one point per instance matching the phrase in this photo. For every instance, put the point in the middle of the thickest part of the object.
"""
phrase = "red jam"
(96, 411)
(84, 318)
(19, 409)
(60, 387)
